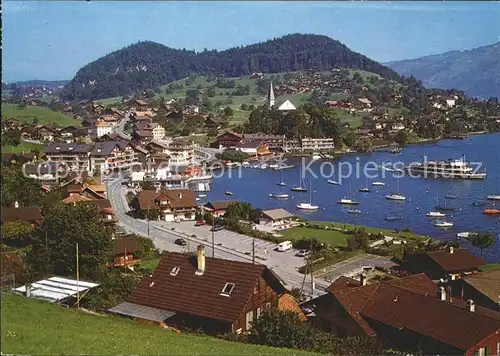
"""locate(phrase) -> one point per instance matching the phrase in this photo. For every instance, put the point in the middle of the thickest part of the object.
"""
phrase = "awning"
(141, 311)
(55, 289)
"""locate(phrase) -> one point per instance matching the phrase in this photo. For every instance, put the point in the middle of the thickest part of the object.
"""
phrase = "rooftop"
(460, 259)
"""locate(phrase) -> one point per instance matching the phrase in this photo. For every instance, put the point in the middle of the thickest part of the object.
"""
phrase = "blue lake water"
(254, 186)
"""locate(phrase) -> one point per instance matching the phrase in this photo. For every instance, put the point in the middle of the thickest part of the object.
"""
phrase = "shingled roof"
(125, 245)
(200, 295)
(177, 198)
(27, 213)
(460, 259)
(487, 283)
(219, 205)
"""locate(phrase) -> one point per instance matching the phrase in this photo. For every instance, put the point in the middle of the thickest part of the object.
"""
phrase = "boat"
(365, 189)
(449, 196)
(436, 214)
(202, 196)
(300, 187)
(443, 224)
(284, 166)
(450, 169)
(349, 201)
(263, 166)
(378, 184)
(273, 166)
(316, 156)
(308, 206)
(245, 164)
(334, 182)
(327, 156)
(493, 197)
(281, 183)
(229, 193)
(479, 203)
(396, 196)
(491, 211)
(393, 218)
(463, 235)
(354, 211)
(278, 195)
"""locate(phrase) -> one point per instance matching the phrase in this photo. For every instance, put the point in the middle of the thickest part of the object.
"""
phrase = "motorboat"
(491, 211)
(278, 195)
(282, 184)
(245, 164)
(435, 214)
(444, 224)
(378, 184)
(449, 196)
(354, 211)
(263, 166)
(365, 190)
(298, 189)
(493, 197)
(228, 193)
(393, 218)
(316, 156)
(273, 166)
(334, 182)
(202, 195)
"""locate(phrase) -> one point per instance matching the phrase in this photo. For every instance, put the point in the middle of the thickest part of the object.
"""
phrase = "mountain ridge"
(146, 65)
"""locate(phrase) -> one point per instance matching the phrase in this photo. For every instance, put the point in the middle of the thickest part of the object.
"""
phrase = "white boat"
(349, 201)
(281, 183)
(316, 156)
(436, 214)
(396, 196)
(308, 206)
(463, 235)
(378, 184)
(197, 199)
(273, 166)
(334, 182)
(263, 166)
(450, 169)
(493, 197)
(443, 224)
(245, 164)
(278, 195)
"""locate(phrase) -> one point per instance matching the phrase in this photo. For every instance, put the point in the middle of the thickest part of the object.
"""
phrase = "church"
(285, 107)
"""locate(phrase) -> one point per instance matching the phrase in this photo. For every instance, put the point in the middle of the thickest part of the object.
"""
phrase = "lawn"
(151, 264)
(23, 147)
(40, 328)
(490, 267)
(43, 115)
(109, 101)
(339, 239)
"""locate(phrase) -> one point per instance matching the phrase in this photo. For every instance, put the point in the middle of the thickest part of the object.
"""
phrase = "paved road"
(228, 244)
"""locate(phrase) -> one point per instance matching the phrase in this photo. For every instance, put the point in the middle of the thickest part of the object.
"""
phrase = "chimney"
(442, 293)
(200, 256)
(28, 290)
(16, 204)
(451, 250)
(471, 305)
(362, 279)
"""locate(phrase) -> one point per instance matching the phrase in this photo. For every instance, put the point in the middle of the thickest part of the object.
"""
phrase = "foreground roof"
(460, 259)
(276, 214)
(488, 283)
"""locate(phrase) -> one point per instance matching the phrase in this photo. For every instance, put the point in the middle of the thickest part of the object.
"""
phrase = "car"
(181, 242)
(307, 310)
(217, 228)
(200, 223)
(302, 253)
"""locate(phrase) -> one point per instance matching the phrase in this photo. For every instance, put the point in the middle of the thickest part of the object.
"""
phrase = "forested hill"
(146, 65)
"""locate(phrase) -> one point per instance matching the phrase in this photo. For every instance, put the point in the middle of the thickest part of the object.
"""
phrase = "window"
(481, 351)
(174, 271)
(258, 313)
(255, 289)
(228, 289)
(249, 320)
(268, 306)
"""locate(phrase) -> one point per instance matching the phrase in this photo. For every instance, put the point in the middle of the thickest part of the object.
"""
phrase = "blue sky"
(51, 40)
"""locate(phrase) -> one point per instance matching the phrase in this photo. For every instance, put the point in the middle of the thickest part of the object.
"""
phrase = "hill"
(475, 71)
(34, 327)
(146, 65)
(42, 114)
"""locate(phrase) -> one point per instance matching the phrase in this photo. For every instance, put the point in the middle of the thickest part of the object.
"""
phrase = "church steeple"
(270, 96)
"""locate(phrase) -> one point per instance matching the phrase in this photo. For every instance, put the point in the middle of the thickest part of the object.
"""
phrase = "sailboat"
(436, 214)
(378, 184)
(278, 195)
(349, 201)
(396, 196)
(334, 182)
(300, 187)
(281, 183)
(443, 224)
(493, 197)
(366, 189)
(308, 206)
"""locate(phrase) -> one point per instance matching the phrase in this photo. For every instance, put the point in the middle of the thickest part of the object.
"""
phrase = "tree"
(244, 107)
(482, 241)
(401, 137)
(228, 112)
(17, 233)
(18, 187)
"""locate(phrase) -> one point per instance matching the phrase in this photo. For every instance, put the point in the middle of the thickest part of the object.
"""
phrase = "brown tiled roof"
(75, 198)
(146, 198)
(460, 259)
(198, 295)
(28, 213)
(219, 205)
(343, 283)
(179, 198)
(126, 245)
(143, 133)
(276, 214)
(487, 283)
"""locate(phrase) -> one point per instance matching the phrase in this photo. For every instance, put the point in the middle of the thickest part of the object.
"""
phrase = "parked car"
(200, 223)
(181, 242)
(217, 228)
(285, 246)
(302, 253)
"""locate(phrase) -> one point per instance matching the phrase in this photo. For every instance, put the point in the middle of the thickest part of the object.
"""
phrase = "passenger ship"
(450, 169)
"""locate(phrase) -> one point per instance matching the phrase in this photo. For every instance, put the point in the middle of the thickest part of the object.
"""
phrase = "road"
(228, 245)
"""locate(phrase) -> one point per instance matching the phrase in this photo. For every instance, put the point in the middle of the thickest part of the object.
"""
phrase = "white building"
(157, 130)
(276, 219)
(317, 144)
(103, 128)
(287, 106)
(450, 102)
(181, 152)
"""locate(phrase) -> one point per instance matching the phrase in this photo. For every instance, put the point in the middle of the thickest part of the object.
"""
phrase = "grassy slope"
(490, 267)
(337, 238)
(23, 147)
(34, 327)
(44, 115)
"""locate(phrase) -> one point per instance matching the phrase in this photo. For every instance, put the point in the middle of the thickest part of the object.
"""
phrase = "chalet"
(234, 294)
(365, 102)
(192, 109)
(175, 117)
(142, 118)
(218, 208)
(181, 152)
(409, 314)
(169, 205)
(104, 207)
(157, 130)
(17, 158)
(274, 142)
(287, 106)
(276, 219)
(97, 108)
(103, 128)
(257, 75)
(228, 139)
(69, 133)
(88, 122)
(141, 103)
(254, 147)
(46, 133)
(110, 155)
(113, 111)
(124, 250)
(450, 263)
(483, 288)
(215, 123)
(29, 214)
(76, 156)
(155, 147)
(142, 136)
(112, 137)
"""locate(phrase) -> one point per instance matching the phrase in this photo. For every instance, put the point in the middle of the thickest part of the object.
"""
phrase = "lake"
(254, 186)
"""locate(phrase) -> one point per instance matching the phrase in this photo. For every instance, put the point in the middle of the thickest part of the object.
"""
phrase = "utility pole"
(77, 278)
(213, 240)
(253, 250)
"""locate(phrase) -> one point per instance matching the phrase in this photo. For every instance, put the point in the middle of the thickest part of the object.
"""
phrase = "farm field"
(42, 114)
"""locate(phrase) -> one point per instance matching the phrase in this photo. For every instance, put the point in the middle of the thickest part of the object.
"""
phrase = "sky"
(51, 40)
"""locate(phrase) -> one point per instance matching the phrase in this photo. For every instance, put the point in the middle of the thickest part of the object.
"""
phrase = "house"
(69, 133)
(46, 133)
(141, 103)
(14, 158)
(168, 205)
(157, 130)
(181, 152)
(124, 249)
(274, 142)
(228, 139)
(142, 136)
(110, 155)
(254, 148)
(287, 106)
(29, 214)
(276, 219)
(112, 137)
(450, 102)
(46, 172)
(217, 208)
(103, 128)
(215, 123)
(397, 126)
(76, 156)
(483, 288)
(258, 75)
(175, 117)
(317, 144)
(215, 295)
(192, 109)
(410, 314)
(157, 173)
(157, 147)
(104, 207)
(365, 102)
(450, 263)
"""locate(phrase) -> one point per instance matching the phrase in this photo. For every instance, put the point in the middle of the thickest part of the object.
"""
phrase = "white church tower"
(270, 97)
